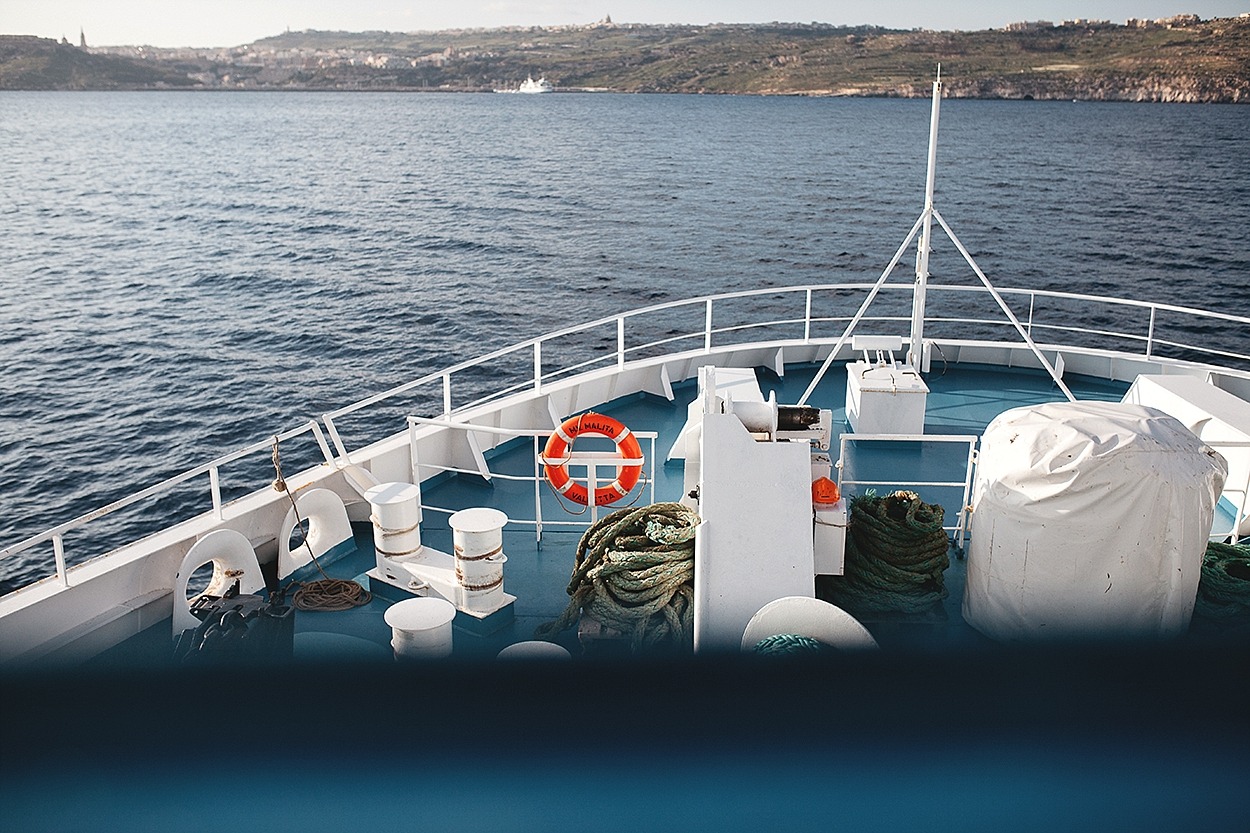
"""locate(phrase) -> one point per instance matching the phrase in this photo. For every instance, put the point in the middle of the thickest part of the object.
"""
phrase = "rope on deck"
(896, 554)
(327, 594)
(789, 644)
(330, 594)
(634, 572)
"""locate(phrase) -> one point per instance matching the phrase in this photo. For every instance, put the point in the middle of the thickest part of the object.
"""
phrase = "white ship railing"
(959, 531)
(531, 353)
(213, 469)
(639, 334)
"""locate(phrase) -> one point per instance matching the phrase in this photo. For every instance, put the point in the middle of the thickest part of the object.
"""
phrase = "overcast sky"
(235, 22)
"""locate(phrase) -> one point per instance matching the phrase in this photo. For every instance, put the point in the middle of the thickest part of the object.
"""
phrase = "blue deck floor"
(961, 401)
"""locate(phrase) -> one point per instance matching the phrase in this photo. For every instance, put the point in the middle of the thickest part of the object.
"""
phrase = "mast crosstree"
(924, 227)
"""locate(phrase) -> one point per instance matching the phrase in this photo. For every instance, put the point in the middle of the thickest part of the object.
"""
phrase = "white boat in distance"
(529, 85)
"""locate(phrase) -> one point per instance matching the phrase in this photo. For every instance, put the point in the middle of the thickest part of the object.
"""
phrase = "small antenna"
(939, 78)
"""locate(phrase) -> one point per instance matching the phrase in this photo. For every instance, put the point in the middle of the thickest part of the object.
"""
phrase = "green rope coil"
(896, 554)
(1224, 588)
(634, 573)
(789, 644)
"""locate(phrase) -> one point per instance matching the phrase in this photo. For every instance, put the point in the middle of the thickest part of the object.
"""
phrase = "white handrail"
(703, 301)
(960, 529)
(621, 350)
(212, 469)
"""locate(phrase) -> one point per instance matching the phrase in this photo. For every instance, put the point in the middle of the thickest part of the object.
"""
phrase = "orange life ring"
(559, 443)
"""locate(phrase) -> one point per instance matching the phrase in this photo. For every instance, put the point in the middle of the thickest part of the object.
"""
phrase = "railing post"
(964, 507)
(653, 469)
(807, 317)
(413, 462)
(336, 439)
(446, 394)
(1028, 328)
(620, 342)
(214, 486)
(1150, 335)
(321, 442)
(707, 327)
(58, 549)
(538, 365)
(538, 497)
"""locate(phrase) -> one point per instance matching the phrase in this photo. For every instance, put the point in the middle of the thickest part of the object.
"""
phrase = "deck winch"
(772, 422)
(749, 468)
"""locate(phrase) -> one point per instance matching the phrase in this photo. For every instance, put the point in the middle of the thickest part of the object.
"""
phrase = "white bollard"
(421, 628)
(477, 537)
(396, 520)
(535, 649)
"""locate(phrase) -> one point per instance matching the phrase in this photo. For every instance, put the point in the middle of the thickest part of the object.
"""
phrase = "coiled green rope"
(634, 572)
(789, 644)
(896, 554)
(1224, 588)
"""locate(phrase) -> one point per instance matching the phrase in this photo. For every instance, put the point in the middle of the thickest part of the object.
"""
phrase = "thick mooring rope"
(896, 554)
(634, 573)
(1224, 588)
(789, 644)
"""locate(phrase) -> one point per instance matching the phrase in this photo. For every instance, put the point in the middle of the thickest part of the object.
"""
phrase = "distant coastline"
(1178, 59)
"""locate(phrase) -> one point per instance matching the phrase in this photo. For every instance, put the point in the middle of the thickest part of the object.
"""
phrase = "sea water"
(186, 273)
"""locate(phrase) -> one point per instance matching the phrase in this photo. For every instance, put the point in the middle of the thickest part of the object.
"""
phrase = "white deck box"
(885, 399)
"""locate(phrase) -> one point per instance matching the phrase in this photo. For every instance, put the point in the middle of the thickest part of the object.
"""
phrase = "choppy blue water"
(186, 273)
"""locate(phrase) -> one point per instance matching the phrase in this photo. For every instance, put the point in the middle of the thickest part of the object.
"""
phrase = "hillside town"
(1181, 58)
(264, 63)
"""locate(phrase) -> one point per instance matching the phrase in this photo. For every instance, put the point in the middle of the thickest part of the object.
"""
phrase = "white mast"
(924, 224)
(915, 349)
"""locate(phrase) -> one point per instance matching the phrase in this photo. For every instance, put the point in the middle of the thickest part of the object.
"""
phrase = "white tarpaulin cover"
(1090, 519)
